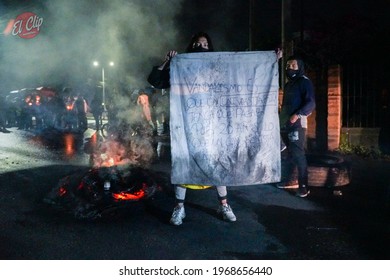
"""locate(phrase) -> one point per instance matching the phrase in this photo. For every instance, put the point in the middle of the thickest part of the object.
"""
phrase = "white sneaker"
(178, 215)
(226, 212)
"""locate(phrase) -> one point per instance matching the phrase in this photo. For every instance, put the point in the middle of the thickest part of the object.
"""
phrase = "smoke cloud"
(133, 34)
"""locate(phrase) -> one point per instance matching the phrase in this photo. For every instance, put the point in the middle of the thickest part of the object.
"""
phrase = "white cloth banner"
(224, 118)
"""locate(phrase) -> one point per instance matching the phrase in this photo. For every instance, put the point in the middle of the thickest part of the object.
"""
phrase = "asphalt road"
(271, 223)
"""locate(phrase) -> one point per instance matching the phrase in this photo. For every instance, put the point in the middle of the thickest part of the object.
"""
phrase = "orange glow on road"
(69, 144)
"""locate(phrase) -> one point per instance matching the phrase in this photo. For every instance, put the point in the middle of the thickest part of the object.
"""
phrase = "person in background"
(81, 108)
(25, 116)
(3, 115)
(144, 103)
(298, 103)
(159, 78)
(97, 110)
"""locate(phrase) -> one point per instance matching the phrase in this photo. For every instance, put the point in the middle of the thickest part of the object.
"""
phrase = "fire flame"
(129, 196)
(111, 153)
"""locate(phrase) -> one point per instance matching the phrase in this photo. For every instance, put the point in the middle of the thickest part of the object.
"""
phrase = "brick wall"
(334, 107)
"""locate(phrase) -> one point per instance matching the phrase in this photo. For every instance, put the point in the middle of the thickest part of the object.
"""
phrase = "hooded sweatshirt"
(298, 98)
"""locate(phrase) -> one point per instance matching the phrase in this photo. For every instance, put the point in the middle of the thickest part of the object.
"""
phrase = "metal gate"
(363, 88)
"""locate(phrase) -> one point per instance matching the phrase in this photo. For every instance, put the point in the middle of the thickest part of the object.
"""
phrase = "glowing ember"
(89, 195)
(62, 191)
(129, 196)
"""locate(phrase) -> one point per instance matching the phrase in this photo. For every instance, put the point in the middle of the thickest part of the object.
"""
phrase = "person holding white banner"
(159, 78)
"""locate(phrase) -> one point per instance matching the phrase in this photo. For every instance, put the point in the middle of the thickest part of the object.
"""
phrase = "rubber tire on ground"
(328, 171)
(325, 171)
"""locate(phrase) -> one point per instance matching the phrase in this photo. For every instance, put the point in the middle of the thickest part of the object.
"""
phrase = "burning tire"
(88, 195)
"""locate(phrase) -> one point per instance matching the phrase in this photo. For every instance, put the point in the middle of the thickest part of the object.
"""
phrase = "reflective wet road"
(271, 223)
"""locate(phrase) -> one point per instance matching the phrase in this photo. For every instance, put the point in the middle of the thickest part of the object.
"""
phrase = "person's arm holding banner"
(159, 76)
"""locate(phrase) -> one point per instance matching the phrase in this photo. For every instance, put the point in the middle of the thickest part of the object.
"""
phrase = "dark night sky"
(136, 34)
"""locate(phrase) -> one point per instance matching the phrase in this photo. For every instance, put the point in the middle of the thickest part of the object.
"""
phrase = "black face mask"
(291, 74)
(199, 49)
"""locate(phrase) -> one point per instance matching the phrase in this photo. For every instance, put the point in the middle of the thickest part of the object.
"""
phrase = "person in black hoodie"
(298, 103)
(159, 76)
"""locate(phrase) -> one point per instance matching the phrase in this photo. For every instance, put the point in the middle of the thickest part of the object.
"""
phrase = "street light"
(96, 64)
